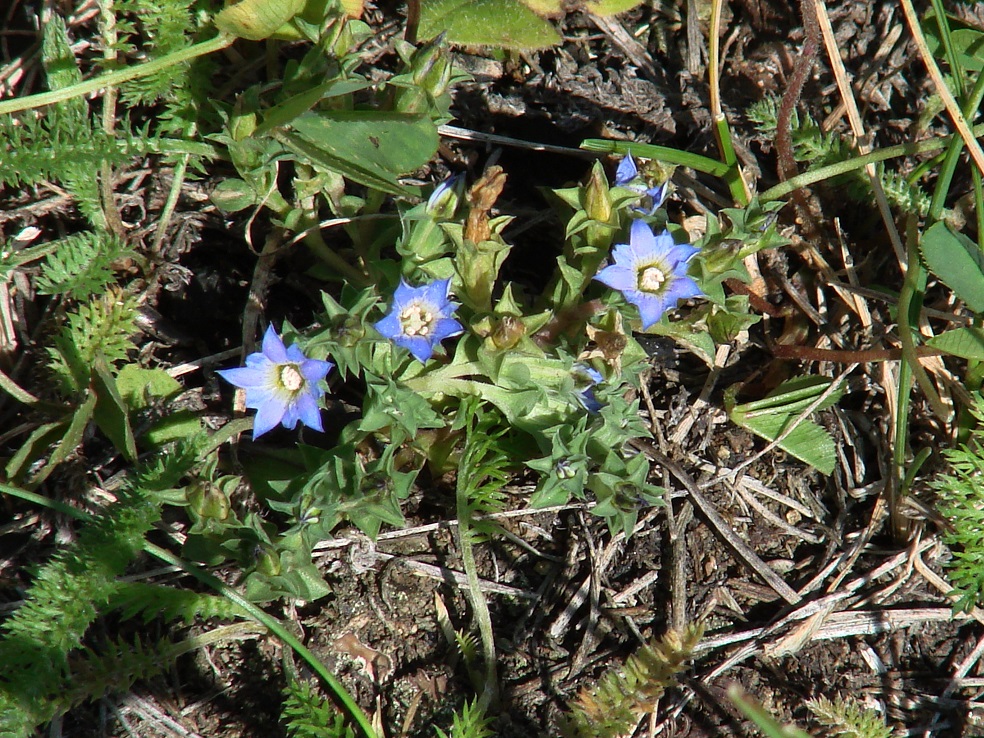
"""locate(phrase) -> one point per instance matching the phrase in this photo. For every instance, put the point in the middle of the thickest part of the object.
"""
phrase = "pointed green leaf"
(110, 412)
(770, 417)
(369, 147)
(508, 24)
(957, 261)
(71, 440)
(967, 342)
(257, 19)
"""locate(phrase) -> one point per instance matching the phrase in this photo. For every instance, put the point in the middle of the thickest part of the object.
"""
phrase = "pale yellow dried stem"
(857, 128)
(976, 153)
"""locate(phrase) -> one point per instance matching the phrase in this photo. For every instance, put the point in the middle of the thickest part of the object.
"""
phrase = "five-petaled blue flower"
(421, 317)
(281, 385)
(627, 175)
(651, 272)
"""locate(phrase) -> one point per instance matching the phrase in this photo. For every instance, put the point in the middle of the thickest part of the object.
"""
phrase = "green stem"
(859, 162)
(480, 605)
(268, 621)
(118, 77)
(661, 153)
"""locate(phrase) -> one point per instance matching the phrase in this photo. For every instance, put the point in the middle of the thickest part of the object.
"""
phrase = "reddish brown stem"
(839, 356)
(797, 80)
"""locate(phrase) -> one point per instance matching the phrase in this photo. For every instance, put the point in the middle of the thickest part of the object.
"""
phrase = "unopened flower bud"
(349, 330)
(508, 332)
(597, 203)
(267, 561)
(431, 67)
(565, 470)
(208, 501)
(443, 202)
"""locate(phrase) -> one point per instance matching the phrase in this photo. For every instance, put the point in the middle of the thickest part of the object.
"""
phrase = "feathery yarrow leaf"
(309, 715)
(614, 706)
(845, 719)
(105, 326)
(82, 264)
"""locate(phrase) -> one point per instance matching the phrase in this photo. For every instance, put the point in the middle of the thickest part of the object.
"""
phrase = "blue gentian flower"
(421, 317)
(651, 272)
(627, 175)
(281, 384)
(585, 378)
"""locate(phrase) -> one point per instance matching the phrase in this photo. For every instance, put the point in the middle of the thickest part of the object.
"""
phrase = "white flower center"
(651, 279)
(291, 378)
(416, 320)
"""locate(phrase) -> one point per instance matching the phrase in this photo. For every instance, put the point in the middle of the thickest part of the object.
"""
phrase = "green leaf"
(110, 412)
(368, 147)
(394, 142)
(35, 445)
(957, 261)
(770, 417)
(967, 342)
(611, 7)
(508, 24)
(138, 386)
(257, 19)
(233, 194)
(71, 439)
(296, 105)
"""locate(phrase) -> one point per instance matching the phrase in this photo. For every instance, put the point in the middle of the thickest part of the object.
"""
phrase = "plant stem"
(116, 78)
(859, 162)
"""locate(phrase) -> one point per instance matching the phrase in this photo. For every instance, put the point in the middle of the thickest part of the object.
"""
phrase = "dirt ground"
(863, 616)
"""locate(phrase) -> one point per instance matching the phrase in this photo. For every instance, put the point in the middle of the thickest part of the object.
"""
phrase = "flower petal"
(436, 293)
(651, 308)
(618, 277)
(306, 410)
(315, 370)
(682, 288)
(403, 295)
(445, 328)
(273, 346)
(627, 171)
(420, 347)
(268, 415)
(389, 327)
(643, 245)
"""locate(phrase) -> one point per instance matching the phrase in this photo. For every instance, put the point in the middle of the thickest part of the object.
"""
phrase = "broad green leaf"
(396, 142)
(233, 194)
(138, 386)
(508, 24)
(967, 342)
(110, 412)
(611, 7)
(545, 7)
(968, 42)
(257, 19)
(795, 395)
(969, 45)
(368, 147)
(292, 107)
(957, 261)
(770, 417)
(809, 442)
